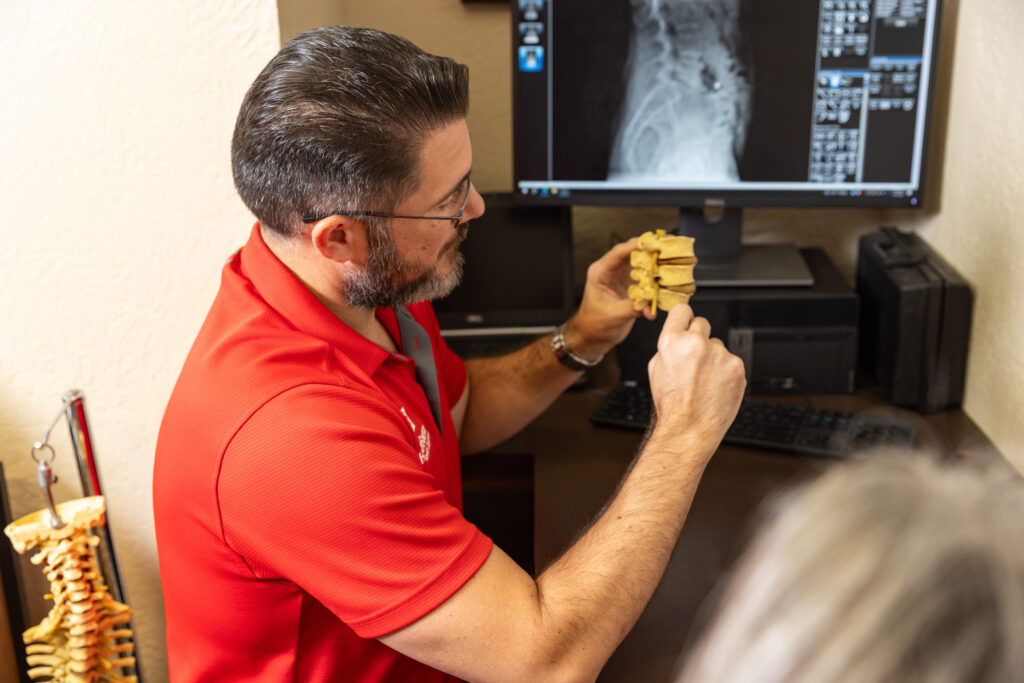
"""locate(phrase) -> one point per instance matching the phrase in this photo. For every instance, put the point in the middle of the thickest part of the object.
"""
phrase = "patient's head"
(898, 568)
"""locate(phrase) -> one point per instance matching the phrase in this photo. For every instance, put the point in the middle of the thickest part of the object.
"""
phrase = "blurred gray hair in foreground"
(900, 567)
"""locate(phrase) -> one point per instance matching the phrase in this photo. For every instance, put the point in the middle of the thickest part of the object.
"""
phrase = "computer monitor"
(517, 279)
(716, 105)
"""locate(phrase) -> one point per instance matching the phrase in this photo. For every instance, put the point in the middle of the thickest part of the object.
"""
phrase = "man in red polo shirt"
(306, 486)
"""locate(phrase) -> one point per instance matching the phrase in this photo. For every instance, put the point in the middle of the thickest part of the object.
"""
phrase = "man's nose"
(475, 206)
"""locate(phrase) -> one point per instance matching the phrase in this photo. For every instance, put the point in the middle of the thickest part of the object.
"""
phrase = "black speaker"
(915, 321)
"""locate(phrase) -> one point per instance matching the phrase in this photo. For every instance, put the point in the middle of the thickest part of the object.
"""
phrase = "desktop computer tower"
(791, 339)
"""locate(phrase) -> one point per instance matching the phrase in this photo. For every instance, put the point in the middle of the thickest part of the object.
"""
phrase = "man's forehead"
(445, 160)
(448, 144)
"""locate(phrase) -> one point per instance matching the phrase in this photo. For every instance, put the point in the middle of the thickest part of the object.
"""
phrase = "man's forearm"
(594, 593)
(507, 392)
(602, 583)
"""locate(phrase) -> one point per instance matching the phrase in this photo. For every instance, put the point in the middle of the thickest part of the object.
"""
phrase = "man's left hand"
(606, 314)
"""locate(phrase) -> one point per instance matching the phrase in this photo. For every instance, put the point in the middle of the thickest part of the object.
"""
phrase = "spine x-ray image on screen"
(688, 93)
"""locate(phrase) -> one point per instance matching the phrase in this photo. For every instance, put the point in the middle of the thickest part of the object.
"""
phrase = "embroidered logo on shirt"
(424, 445)
(424, 437)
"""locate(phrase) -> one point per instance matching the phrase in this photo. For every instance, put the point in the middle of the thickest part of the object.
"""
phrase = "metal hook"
(44, 475)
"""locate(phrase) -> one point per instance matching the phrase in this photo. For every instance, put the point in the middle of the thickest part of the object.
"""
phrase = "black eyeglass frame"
(381, 214)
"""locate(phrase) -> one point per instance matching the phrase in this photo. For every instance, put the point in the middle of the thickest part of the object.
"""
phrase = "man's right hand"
(696, 383)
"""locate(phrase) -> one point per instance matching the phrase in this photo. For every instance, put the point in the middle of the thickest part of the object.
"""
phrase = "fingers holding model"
(696, 383)
(606, 312)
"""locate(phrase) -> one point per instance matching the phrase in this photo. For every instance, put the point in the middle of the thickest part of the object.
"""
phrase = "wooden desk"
(577, 467)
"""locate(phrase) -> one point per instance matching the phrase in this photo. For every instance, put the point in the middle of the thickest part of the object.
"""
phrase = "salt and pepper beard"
(387, 280)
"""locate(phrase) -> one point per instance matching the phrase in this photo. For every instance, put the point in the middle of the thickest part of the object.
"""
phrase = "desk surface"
(577, 467)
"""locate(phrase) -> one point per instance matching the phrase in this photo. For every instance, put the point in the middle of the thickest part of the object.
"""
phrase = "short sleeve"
(322, 487)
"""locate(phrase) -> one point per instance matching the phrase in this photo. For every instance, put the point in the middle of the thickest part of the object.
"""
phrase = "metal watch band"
(565, 355)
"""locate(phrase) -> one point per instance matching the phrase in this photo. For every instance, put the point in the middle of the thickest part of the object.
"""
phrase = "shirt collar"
(286, 294)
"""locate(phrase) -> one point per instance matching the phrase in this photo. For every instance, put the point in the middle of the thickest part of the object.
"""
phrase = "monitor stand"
(724, 262)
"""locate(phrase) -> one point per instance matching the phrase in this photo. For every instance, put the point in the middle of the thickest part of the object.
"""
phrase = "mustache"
(461, 232)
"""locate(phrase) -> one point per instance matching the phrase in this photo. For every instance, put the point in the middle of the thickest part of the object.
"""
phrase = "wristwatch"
(565, 355)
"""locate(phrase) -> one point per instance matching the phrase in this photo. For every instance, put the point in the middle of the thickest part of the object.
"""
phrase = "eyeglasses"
(380, 214)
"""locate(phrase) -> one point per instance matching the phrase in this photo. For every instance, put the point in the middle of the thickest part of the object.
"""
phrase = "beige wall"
(981, 225)
(119, 211)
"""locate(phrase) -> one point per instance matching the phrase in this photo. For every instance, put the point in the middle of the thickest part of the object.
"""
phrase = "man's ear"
(340, 239)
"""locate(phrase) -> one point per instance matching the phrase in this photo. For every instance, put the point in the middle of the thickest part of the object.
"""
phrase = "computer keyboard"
(798, 429)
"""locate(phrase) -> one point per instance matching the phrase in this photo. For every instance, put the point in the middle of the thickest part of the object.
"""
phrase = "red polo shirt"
(305, 501)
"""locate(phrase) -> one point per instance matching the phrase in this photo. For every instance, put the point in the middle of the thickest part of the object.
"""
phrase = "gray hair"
(891, 569)
(336, 121)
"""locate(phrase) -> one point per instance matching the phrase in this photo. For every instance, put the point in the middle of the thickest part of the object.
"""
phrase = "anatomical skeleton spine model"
(85, 637)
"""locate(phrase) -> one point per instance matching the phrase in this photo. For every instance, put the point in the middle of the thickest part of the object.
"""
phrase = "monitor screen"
(518, 271)
(735, 103)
